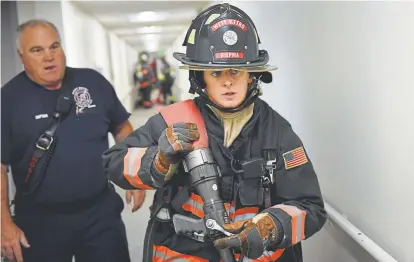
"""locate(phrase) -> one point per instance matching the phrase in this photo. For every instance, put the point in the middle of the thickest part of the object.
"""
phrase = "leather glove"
(174, 143)
(252, 236)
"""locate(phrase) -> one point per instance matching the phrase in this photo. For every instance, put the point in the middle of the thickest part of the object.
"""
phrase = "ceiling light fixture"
(148, 16)
(150, 37)
(149, 30)
(152, 47)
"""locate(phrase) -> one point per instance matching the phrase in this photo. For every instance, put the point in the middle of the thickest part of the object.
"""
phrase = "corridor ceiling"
(145, 25)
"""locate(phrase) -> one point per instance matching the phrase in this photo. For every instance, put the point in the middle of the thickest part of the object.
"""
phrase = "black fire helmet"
(224, 37)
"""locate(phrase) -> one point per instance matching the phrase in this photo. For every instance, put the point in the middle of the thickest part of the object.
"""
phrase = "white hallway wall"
(51, 11)
(181, 84)
(88, 44)
(10, 62)
(345, 82)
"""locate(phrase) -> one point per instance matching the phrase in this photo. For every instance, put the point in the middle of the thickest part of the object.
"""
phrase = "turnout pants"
(91, 230)
(146, 93)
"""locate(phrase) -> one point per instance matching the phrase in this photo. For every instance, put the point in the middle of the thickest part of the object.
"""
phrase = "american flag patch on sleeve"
(295, 157)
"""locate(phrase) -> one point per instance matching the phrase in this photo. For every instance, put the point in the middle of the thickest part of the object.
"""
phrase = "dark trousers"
(146, 93)
(167, 93)
(91, 230)
(145, 97)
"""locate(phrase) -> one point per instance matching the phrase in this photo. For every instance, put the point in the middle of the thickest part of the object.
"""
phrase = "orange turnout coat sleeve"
(129, 163)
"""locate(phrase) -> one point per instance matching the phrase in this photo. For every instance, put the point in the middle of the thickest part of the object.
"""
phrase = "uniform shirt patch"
(295, 157)
(82, 99)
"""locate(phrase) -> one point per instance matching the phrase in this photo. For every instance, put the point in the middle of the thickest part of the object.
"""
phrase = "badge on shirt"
(82, 99)
(295, 157)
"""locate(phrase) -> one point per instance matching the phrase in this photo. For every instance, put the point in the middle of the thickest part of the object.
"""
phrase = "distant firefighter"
(144, 79)
(166, 80)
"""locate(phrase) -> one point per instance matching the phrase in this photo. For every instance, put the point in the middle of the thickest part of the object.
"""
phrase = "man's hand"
(253, 235)
(139, 197)
(11, 239)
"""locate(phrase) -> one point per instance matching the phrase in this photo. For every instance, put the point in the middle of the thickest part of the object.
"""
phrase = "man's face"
(42, 55)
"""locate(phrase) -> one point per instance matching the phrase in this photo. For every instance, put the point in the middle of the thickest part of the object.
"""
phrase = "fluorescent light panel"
(144, 38)
(152, 47)
(164, 29)
(150, 16)
(149, 30)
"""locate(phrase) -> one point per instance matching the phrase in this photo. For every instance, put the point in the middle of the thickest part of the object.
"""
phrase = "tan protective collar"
(233, 123)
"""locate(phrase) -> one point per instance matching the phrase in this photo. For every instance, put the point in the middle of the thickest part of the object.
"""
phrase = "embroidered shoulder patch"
(295, 157)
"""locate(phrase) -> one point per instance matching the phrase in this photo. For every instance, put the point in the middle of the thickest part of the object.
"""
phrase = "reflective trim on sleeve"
(132, 164)
(298, 217)
(243, 213)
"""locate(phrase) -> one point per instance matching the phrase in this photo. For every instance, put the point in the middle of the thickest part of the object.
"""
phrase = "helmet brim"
(262, 70)
(257, 66)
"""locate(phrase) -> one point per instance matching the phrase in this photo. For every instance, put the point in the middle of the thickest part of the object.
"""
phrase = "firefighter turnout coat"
(294, 198)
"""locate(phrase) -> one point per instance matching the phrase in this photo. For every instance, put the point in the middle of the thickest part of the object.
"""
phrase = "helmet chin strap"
(253, 93)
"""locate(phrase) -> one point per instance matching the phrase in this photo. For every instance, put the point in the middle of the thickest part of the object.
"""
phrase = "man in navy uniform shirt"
(74, 211)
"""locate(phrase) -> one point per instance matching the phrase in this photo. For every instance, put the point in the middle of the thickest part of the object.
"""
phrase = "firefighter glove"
(252, 236)
(174, 143)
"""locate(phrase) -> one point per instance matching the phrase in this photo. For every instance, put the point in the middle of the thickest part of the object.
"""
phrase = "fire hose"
(204, 175)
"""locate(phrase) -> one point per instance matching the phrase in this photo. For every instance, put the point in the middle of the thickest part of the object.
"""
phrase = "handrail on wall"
(370, 246)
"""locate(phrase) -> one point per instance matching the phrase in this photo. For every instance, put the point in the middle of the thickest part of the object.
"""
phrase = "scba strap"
(46, 142)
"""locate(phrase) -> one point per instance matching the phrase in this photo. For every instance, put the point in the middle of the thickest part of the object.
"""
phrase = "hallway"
(344, 81)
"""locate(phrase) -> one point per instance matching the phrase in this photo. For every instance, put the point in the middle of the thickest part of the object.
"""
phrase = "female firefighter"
(271, 207)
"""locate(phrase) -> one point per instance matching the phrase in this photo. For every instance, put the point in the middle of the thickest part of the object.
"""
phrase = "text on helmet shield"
(229, 55)
(225, 22)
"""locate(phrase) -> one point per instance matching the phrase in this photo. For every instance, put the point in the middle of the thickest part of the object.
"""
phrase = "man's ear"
(20, 55)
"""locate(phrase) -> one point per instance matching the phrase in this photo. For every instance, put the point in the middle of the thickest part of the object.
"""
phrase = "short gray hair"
(32, 23)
